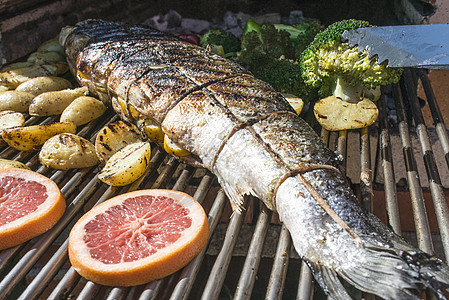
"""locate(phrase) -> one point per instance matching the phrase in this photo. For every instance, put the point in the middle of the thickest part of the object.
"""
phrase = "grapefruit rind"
(163, 263)
(37, 222)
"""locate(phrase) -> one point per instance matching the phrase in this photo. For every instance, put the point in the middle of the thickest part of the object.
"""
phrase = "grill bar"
(389, 182)
(279, 270)
(219, 269)
(249, 271)
(414, 185)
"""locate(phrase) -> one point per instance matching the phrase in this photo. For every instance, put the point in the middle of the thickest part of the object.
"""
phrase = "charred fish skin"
(247, 134)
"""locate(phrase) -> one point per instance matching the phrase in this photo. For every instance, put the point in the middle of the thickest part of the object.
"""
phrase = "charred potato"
(12, 78)
(335, 114)
(16, 101)
(54, 102)
(30, 137)
(39, 85)
(10, 119)
(127, 165)
(82, 110)
(44, 57)
(51, 45)
(113, 137)
(295, 102)
(6, 163)
(67, 151)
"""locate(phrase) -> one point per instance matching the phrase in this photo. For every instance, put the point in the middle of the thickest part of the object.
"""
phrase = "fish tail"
(386, 272)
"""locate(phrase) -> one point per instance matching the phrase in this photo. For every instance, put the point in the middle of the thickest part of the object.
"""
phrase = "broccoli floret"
(270, 55)
(301, 34)
(218, 37)
(284, 76)
(332, 67)
(263, 44)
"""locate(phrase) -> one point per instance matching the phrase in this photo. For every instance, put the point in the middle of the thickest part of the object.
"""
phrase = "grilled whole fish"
(246, 133)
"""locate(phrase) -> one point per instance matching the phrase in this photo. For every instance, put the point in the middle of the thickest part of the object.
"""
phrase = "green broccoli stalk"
(221, 42)
(332, 67)
(271, 56)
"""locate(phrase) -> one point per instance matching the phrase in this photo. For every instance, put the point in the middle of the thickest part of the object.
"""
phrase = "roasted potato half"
(10, 119)
(127, 165)
(30, 137)
(7, 163)
(67, 151)
(114, 137)
(54, 102)
(42, 84)
(335, 114)
(82, 110)
(16, 101)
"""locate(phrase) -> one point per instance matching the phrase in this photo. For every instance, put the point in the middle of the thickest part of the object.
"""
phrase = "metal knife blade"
(419, 46)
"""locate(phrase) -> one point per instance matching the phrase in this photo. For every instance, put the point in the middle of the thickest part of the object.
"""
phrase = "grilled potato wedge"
(295, 102)
(54, 102)
(115, 136)
(15, 101)
(6, 163)
(44, 57)
(51, 45)
(12, 78)
(82, 110)
(10, 119)
(335, 114)
(126, 165)
(39, 85)
(67, 151)
(31, 137)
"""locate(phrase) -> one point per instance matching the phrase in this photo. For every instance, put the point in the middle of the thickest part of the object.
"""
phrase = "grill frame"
(82, 189)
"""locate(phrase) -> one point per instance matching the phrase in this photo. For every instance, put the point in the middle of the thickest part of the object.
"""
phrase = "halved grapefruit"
(137, 237)
(30, 204)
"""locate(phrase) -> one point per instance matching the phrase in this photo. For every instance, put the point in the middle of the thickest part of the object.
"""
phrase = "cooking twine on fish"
(308, 168)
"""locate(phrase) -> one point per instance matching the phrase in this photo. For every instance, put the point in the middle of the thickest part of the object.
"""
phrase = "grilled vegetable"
(51, 45)
(295, 102)
(15, 101)
(46, 57)
(12, 78)
(39, 85)
(7, 163)
(54, 102)
(114, 137)
(247, 134)
(334, 68)
(126, 165)
(10, 119)
(83, 110)
(335, 114)
(270, 51)
(31, 137)
(66, 151)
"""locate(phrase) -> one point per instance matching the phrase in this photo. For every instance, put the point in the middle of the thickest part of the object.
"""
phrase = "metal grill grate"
(42, 263)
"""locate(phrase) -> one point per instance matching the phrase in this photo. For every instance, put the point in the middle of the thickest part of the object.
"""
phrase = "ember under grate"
(39, 269)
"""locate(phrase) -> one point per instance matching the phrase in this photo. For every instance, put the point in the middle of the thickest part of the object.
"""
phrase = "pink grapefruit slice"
(137, 237)
(30, 204)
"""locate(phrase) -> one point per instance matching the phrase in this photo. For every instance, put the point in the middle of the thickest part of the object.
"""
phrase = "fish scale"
(247, 135)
